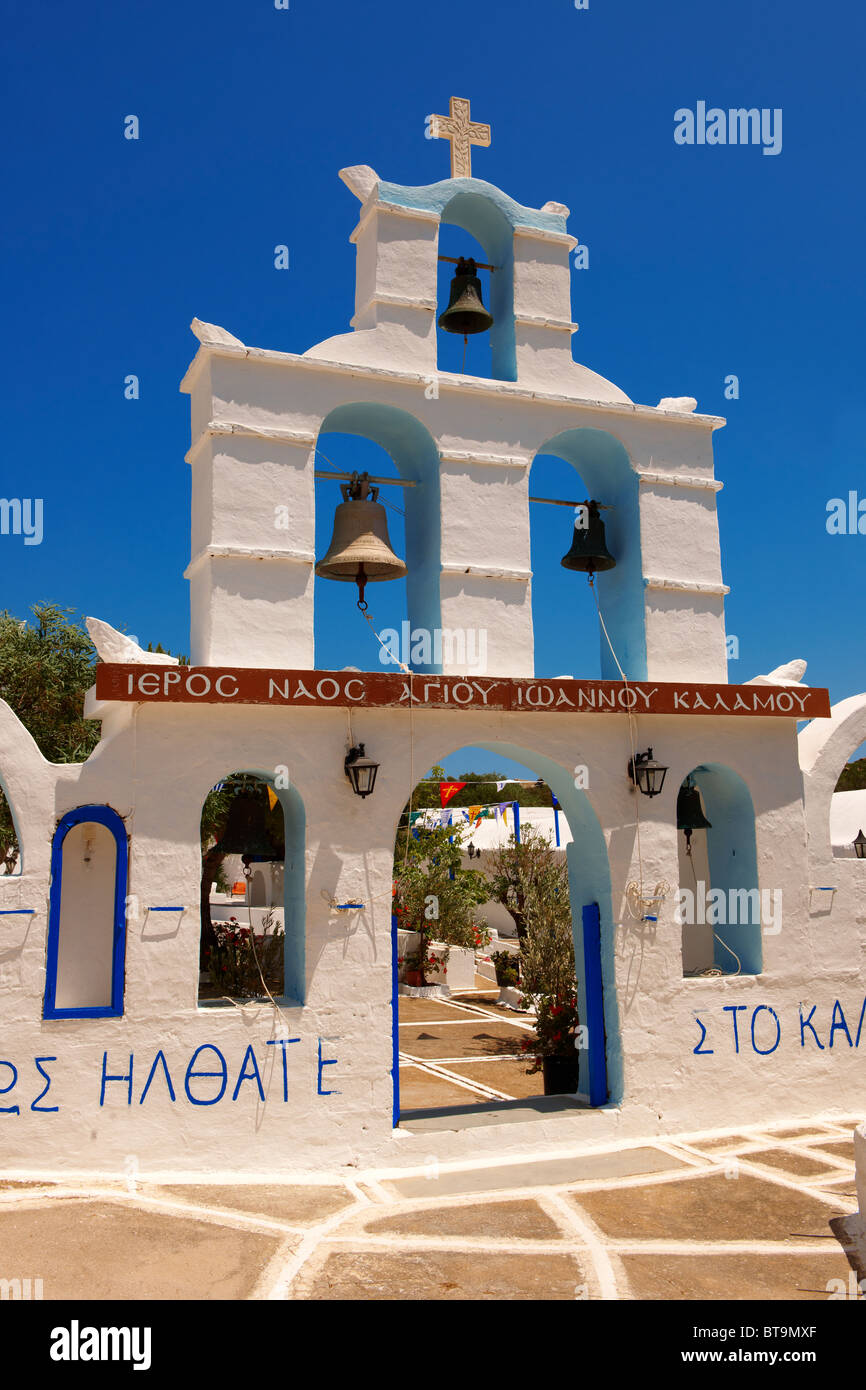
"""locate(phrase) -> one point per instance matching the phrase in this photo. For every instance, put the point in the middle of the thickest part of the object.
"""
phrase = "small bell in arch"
(466, 312)
(589, 552)
(690, 812)
(360, 551)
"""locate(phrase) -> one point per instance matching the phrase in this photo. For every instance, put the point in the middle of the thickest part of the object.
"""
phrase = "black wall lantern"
(860, 845)
(647, 774)
(360, 770)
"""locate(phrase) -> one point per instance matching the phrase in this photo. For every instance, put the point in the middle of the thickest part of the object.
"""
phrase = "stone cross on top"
(462, 133)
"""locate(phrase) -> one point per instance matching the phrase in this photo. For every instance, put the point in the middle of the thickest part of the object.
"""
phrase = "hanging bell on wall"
(246, 830)
(360, 549)
(589, 552)
(466, 312)
(690, 812)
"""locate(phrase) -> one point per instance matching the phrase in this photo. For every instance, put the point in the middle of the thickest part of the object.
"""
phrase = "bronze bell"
(246, 830)
(360, 551)
(466, 312)
(589, 551)
(690, 812)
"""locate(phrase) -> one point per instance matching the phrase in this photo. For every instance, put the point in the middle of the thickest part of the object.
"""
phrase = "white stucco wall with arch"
(156, 770)
(682, 1053)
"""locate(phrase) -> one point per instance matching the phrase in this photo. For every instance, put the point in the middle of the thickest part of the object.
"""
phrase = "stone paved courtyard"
(460, 1051)
(764, 1214)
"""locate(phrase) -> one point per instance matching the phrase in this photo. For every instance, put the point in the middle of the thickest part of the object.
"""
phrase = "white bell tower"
(468, 443)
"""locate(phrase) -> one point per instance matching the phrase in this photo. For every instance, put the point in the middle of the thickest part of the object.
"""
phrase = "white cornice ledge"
(491, 460)
(488, 572)
(373, 205)
(401, 301)
(302, 438)
(478, 386)
(685, 586)
(242, 552)
(542, 234)
(681, 480)
(540, 321)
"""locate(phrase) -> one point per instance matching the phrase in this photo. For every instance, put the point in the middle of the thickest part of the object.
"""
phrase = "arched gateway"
(261, 1082)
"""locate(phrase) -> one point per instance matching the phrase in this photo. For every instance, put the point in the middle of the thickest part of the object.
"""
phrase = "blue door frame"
(395, 1021)
(100, 815)
(597, 1078)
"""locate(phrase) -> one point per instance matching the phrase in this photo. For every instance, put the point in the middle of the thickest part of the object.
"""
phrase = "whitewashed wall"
(156, 772)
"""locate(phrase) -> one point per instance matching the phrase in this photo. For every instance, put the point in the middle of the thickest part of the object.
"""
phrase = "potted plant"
(507, 966)
(555, 1042)
(414, 975)
(547, 969)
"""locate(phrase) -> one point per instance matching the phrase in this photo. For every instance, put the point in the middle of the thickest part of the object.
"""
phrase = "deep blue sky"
(703, 262)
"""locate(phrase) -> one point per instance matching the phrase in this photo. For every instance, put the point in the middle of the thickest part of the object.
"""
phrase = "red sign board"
(226, 685)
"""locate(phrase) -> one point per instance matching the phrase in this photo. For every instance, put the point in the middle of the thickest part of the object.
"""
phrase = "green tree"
(46, 667)
(526, 874)
(433, 893)
(532, 881)
(853, 778)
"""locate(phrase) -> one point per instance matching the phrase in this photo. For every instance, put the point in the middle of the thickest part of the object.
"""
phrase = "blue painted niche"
(87, 915)
(732, 857)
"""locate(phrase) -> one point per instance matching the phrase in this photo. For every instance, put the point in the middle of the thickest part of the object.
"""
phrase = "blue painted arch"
(603, 463)
(85, 815)
(416, 458)
(485, 219)
(294, 882)
(732, 853)
(589, 883)
(435, 197)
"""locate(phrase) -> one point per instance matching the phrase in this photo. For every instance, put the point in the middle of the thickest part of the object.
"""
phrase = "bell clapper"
(361, 581)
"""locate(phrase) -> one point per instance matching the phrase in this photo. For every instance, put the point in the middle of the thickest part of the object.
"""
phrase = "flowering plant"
(555, 1026)
(243, 965)
(507, 965)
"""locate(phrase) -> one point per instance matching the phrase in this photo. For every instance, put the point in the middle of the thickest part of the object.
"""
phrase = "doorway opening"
(252, 919)
(503, 995)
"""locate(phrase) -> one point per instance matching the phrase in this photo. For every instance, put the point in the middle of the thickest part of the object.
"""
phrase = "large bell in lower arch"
(246, 830)
(690, 812)
(589, 553)
(360, 551)
(466, 312)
